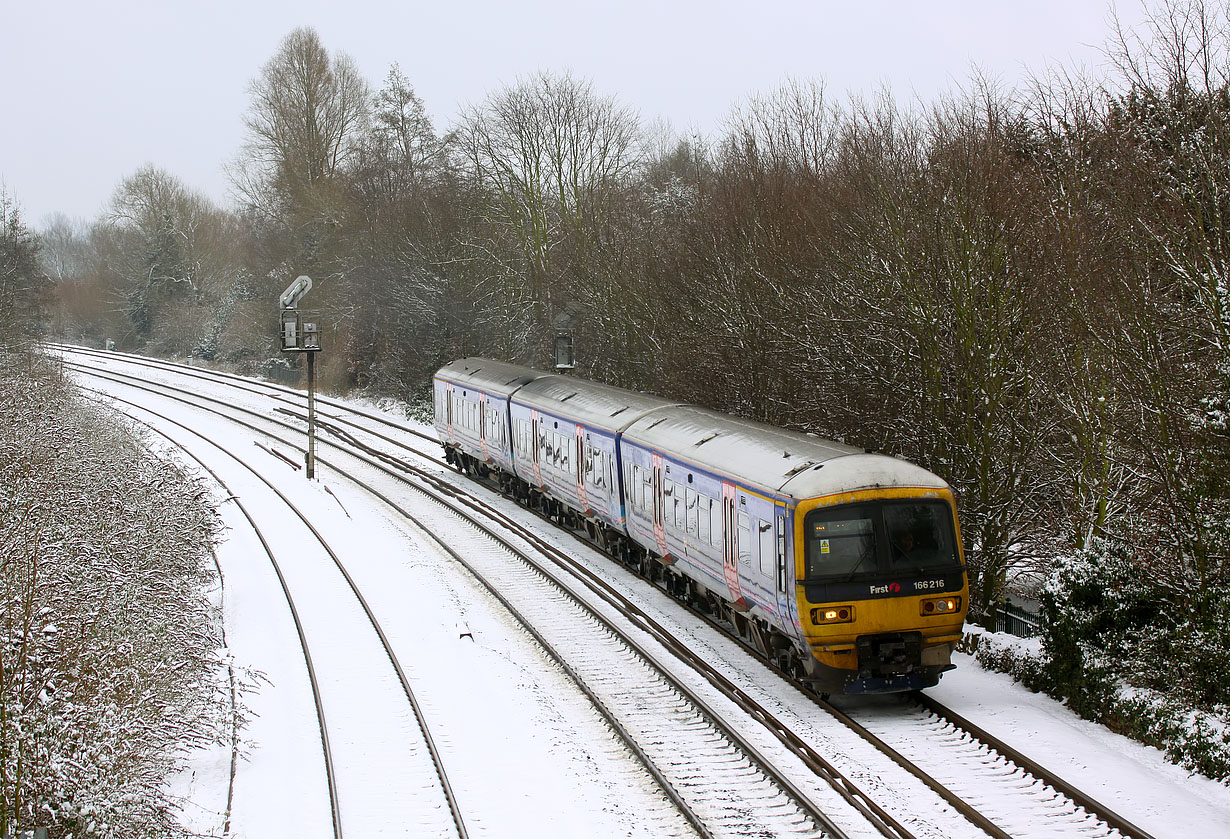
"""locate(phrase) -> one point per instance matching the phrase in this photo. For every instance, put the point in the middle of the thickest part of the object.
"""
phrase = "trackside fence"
(1018, 621)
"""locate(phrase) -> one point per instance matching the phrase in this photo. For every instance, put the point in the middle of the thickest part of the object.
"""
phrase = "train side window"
(745, 539)
(703, 521)
(715, 523)
(767, 553)
(693, 502)
(646, 489)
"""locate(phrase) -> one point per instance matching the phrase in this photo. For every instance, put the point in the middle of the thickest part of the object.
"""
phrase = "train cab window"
(887, 537)
(841, 544)
(920, 536)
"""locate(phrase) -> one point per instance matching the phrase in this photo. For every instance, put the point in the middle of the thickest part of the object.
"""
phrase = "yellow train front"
(882, 590)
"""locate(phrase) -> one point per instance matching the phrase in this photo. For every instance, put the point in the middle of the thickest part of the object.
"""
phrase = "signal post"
(297, 336)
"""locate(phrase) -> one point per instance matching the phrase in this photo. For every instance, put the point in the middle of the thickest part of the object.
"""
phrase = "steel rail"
(327, 751)
(1111, 818)
(420, 717)
(244, 383)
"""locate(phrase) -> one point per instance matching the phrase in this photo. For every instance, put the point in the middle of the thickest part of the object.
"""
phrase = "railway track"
(1043, 803)
(424, 819)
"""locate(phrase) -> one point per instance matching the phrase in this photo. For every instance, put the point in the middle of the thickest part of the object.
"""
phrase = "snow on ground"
(1132, 779)
(527, 755)
(527, 746)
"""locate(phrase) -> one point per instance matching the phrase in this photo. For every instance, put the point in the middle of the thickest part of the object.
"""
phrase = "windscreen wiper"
(850, 576)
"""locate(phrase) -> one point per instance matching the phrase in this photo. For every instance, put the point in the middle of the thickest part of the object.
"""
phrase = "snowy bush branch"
(111, 650)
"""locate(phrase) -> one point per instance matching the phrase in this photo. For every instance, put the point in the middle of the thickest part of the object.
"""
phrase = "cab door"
(785, 564)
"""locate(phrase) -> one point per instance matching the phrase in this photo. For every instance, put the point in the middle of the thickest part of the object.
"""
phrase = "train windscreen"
(893, 537)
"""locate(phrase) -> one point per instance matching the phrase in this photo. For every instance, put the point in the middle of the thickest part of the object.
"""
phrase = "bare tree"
(547, 160)
(168, 257)
(303, 124)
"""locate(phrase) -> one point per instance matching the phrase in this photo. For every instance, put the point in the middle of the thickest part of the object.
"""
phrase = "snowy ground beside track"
(536, 769)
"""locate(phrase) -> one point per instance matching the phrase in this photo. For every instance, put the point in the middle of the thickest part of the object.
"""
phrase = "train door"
(482, 424)
(580, 471)
(659, 505)
(535, 446)
(448, 408)
(730, 545)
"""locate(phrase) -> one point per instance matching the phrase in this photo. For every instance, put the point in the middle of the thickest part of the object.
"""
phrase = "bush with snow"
(109, 646)
(1132, 649)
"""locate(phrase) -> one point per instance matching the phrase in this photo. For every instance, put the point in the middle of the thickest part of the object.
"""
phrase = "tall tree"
(548, 161)
(303, 123)
(24, 287)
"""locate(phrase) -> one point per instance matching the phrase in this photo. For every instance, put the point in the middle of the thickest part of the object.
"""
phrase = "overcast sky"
(93, 90)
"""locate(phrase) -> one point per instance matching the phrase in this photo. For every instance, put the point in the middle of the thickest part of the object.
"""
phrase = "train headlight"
(939, 606)
(832, 614)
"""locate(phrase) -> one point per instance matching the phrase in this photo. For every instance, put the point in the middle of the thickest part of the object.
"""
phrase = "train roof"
(498, 377)
(775, 460)
(597, 405)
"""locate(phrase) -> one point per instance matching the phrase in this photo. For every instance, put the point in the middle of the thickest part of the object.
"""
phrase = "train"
(841, 566)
